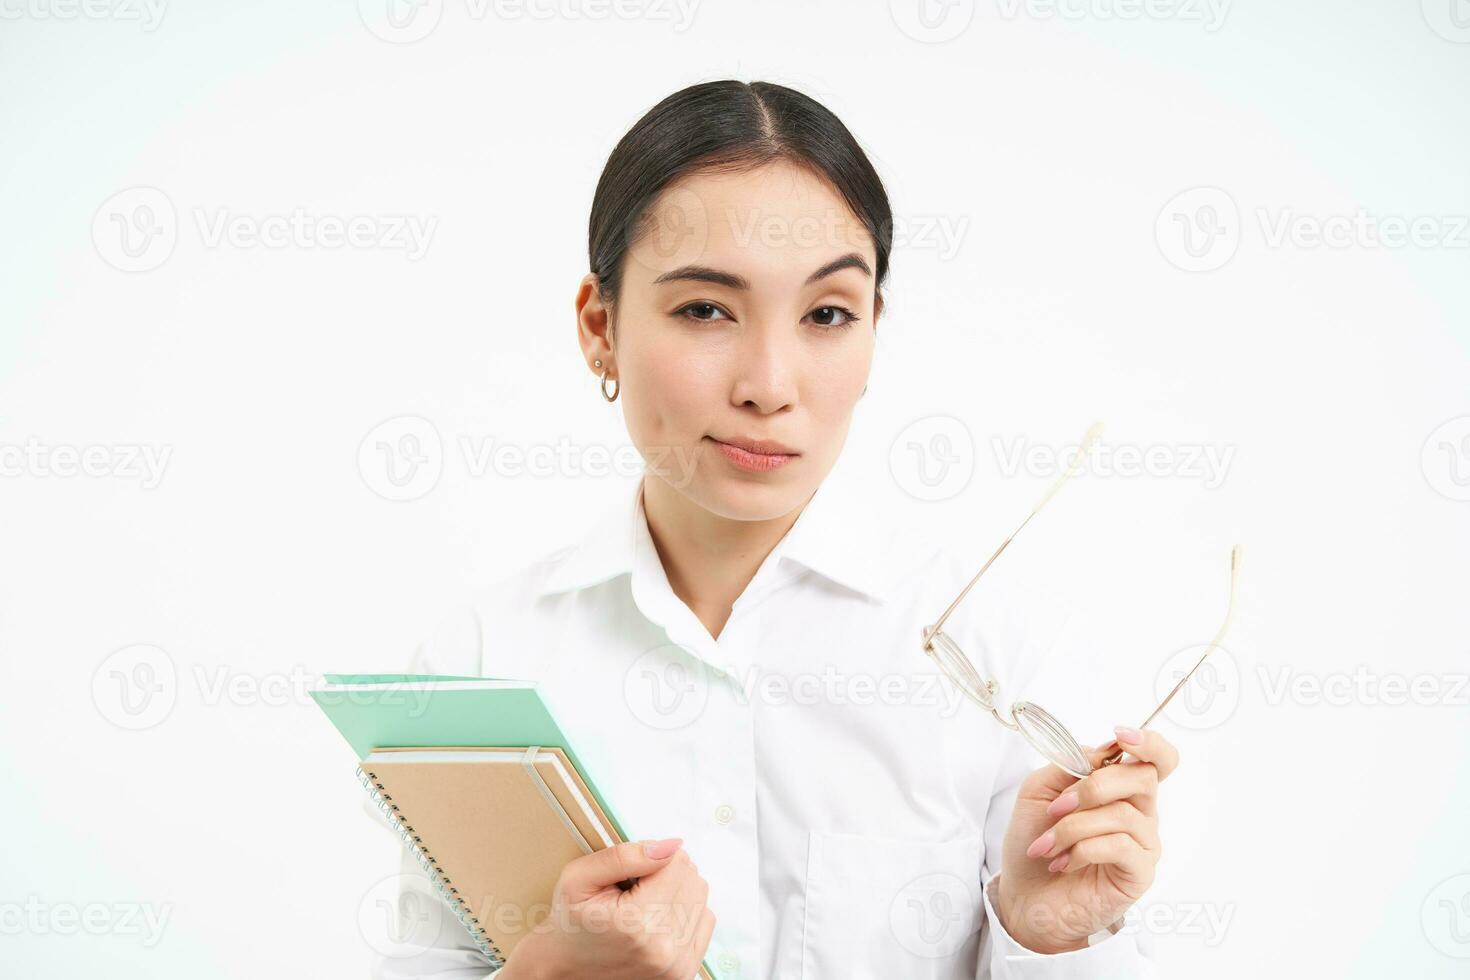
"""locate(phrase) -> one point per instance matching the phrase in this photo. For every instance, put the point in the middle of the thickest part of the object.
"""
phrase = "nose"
(767, 366)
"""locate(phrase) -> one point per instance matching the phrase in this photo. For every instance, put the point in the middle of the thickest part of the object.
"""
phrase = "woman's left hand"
(1079, 852)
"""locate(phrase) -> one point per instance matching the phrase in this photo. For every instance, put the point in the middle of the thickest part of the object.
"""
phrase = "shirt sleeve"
(427, 941)
(1061, 676)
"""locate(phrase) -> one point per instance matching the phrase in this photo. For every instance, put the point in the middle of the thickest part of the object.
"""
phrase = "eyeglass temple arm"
(939, 623)
(1084, 448)
(1117, 756)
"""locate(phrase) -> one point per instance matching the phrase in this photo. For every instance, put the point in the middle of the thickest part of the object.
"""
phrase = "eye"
(826, 315)
(702, 312)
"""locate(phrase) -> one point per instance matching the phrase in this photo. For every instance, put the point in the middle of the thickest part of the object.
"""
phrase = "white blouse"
(844, 802)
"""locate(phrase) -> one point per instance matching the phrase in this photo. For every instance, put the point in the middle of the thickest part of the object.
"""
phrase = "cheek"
(669, 395)
(836, 383)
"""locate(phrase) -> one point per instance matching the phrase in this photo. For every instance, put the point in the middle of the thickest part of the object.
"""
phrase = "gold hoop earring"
(617, 386)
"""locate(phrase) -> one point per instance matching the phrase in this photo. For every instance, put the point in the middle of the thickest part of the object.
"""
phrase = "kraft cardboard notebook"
(479, 781)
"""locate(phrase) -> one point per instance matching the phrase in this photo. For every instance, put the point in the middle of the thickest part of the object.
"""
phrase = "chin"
(747, 497)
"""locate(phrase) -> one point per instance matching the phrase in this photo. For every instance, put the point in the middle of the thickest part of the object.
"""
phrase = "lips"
(760, 447)
(754, 455)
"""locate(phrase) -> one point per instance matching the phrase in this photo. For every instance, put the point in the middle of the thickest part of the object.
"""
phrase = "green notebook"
(375, 711)
(403, 711)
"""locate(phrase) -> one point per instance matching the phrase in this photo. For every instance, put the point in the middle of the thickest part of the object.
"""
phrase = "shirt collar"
(838, 535)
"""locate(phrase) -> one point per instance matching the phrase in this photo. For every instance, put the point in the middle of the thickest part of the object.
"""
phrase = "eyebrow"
(703, 273)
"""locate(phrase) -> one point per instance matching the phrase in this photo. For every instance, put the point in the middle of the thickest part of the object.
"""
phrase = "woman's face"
(746, 314)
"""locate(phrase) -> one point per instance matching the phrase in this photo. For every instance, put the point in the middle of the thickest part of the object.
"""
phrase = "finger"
(663, 886)
(678, 916)
(1119, 817)
(1149, 746)
(1115, 850)
(1137, 782)
(693, 954)
(691, 894)
(591, 873)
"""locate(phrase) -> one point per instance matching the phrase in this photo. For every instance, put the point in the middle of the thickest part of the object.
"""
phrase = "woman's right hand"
(657, 930)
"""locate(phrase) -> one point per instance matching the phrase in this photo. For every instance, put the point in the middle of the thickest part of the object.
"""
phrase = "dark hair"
(727, 126)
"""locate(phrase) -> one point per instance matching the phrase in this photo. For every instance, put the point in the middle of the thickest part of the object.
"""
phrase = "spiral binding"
(441, 881)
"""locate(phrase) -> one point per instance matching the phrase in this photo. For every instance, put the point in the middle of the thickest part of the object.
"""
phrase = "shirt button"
(729, 963)
(724, 814)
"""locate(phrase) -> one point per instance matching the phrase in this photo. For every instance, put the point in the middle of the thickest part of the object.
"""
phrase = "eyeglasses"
(1045, 734)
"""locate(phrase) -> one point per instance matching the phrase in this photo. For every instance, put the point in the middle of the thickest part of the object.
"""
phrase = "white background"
(1035, 157)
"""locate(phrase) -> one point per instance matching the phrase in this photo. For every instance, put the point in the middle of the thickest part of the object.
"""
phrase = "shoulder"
(480, 632)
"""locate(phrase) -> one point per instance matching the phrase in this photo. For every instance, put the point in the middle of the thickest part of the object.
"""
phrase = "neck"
(708, 559)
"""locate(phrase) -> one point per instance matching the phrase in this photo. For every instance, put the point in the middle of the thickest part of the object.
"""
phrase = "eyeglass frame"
(1047, 723)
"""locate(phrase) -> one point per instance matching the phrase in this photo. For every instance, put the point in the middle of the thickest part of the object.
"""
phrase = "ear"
(594, 324)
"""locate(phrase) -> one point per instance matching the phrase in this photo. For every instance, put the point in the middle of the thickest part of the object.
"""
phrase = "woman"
(736, 649)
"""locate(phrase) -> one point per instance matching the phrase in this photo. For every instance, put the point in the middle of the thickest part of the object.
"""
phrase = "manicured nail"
(1128, 736)
(1060, 864)
(1062, 805)
(1041, 844)
(660, 849)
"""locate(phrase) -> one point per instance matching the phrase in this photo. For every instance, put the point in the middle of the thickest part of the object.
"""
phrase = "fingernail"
(1060, 864)
(1128, 736)
(1041, 844)
(1062, 805)
(660, 849)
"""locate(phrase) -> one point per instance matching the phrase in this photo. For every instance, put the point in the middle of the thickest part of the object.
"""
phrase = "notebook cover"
(386, 711)
(570, 791)
(491, 833)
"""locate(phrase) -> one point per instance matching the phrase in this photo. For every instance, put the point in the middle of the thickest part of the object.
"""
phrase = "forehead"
(776, 221)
